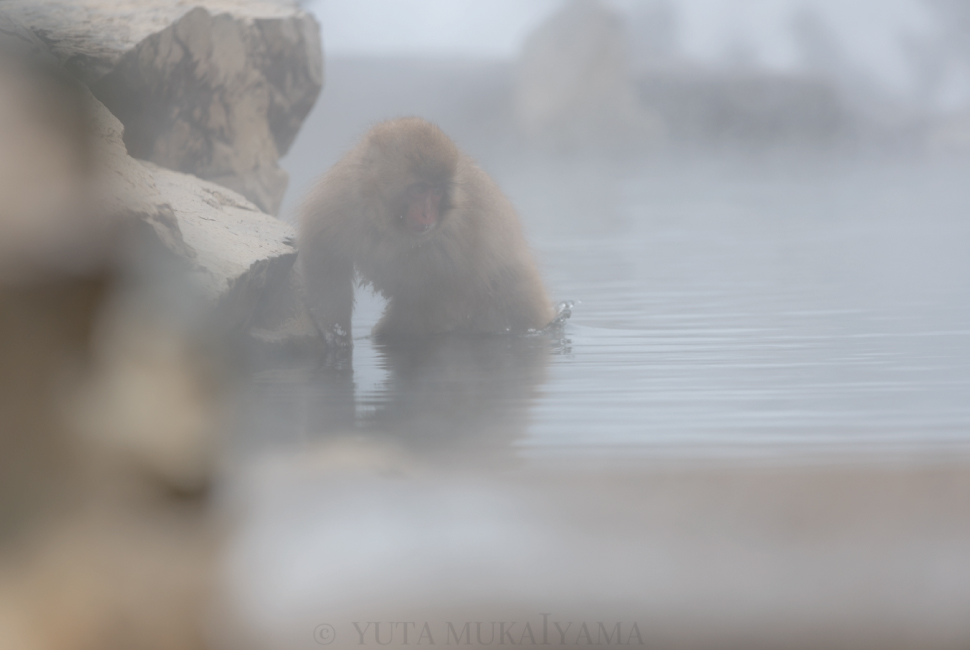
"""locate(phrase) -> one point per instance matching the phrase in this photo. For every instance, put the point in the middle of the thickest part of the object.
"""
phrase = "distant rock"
(577, 90)
(708, 108)
(215, 88)
(574, 88)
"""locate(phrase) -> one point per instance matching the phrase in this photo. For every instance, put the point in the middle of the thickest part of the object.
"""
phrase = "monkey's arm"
(326, 255)
(329, 279)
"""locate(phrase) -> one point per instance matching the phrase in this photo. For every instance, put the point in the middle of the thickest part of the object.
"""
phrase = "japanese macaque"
(428, 229)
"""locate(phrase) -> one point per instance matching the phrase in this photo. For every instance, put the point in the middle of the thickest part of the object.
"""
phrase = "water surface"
(725, 307)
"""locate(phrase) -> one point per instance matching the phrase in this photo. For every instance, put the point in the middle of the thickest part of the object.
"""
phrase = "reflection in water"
(439, 396)
(455, 392)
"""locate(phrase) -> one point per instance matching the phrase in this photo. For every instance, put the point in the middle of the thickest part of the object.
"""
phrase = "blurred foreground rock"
(112, 388)
(120, 280)
(215, 88)
(110, 414)
(383, 551)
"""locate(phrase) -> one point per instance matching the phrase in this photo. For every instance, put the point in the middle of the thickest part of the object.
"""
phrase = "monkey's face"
(409, 165)
(421, 207)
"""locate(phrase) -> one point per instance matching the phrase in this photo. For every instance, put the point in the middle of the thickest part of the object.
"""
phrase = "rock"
(235, 251)
(216, 88)
(18, 41)
(575, 90)
(240, 252)
(126, 190)
(69, 184)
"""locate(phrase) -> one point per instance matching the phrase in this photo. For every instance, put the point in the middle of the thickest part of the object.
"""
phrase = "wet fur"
(473, 273)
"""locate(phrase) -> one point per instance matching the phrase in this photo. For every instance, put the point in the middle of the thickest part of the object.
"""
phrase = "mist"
(746, 424)
(759, 211)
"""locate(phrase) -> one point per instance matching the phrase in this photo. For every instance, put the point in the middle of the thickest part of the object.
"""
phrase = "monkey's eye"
(417, 191)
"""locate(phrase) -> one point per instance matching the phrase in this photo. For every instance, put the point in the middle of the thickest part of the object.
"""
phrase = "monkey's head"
(409, 166)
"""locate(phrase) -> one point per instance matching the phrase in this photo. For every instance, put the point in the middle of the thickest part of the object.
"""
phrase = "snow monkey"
(420, 222)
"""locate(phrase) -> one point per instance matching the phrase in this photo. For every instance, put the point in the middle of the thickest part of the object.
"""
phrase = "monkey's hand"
(329, 280)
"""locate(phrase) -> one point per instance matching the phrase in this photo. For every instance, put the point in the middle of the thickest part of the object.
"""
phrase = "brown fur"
(472, 273)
